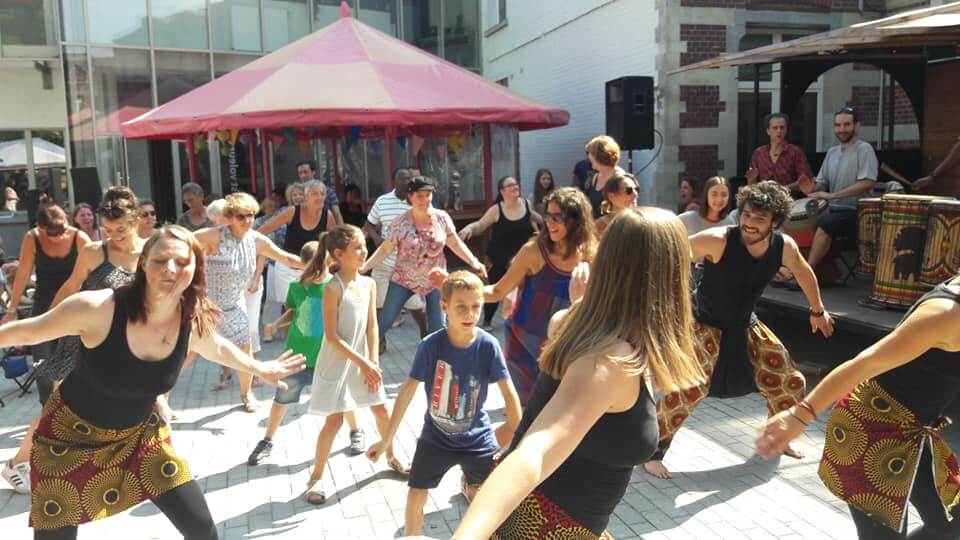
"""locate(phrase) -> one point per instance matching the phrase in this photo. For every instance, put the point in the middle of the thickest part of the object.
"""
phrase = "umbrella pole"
(192, 159)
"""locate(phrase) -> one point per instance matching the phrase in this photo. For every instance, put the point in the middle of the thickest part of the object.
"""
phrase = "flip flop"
(398, 467)
(315, 495)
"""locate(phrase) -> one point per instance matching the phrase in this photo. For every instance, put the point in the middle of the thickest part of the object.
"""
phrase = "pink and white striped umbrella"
(345, 74)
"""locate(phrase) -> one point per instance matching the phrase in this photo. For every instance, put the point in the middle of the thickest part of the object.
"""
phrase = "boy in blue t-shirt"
(457, 364)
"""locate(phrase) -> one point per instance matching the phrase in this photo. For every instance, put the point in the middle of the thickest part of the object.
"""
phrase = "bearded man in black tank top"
(739, 353)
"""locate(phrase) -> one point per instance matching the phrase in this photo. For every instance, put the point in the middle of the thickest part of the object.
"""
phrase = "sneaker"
(260, 452)
(356, 442)
(17, 476)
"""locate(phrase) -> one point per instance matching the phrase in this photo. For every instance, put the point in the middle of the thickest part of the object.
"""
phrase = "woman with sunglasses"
(231, 263)
(148, 219)
(541, 270)
(52, 247)
(513, 223)
(619, 194)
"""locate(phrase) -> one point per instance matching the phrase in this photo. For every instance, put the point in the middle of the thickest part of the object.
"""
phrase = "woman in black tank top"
(905, 380)
(591, 417)
(101, 446)
(507, 235)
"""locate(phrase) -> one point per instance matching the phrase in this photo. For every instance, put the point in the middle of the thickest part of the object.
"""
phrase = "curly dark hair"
(766, 196)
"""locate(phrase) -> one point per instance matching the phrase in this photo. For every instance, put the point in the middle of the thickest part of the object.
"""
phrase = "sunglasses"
(148, 213)
(629, 190)
(556, 217)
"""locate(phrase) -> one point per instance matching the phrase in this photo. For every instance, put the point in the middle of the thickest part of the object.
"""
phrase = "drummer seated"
(849, 171)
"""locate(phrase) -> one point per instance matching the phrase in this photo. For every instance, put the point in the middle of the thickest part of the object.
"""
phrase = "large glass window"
(503, 153)
(180, 24)
(24, 22)
(421, 24)
(328, 11)
(380, 14)
(461, 38)
(122, 22)
(121, 87)
(180, 72)
(235, 25)
(71, 19)
(456, 163)
(752, 41)
(284, 21)
(225, 63)
(79, 107)
(364, 163)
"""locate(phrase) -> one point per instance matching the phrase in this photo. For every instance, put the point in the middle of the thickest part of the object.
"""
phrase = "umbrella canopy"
(13, 153)
(345, 74)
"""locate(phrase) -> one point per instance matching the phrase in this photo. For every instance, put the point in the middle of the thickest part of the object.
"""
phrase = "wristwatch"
(817, 313)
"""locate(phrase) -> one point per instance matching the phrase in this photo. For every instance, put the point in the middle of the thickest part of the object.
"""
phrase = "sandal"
(250, 403)
(225, 378)
(314, 494)
(397, 467)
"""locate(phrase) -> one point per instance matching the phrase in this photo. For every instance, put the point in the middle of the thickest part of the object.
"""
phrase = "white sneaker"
(18, 476)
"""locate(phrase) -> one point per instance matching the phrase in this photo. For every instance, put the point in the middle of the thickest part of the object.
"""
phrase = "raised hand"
(286, 364)
(752, 175)
(806, 184)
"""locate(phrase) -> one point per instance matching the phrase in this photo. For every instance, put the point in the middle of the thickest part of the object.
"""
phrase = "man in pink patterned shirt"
(779, 161)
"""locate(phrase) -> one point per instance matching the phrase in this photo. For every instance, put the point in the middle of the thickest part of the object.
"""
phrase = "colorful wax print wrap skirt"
(871, 452)
(81, 472)
(538, 517)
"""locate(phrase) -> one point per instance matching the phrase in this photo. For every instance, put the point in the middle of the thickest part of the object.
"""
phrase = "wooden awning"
(899, 36)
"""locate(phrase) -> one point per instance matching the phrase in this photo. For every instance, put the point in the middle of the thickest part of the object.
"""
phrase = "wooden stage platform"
(842, 303)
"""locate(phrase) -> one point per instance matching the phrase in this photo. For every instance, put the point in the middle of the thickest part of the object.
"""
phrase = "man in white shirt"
(385, 209)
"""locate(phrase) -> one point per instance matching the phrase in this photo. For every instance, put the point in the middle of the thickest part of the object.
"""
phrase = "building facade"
(706, 118)
(73, 71)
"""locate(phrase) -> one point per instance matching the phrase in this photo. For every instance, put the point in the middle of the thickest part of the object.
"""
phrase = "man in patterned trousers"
(737, 352)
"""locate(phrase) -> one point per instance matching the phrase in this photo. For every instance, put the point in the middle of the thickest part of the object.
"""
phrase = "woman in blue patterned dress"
(231, 260)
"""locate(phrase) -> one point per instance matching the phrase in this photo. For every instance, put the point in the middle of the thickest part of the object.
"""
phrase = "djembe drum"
(801, 224)
(868, 234)
(941, 255)
(903, 233)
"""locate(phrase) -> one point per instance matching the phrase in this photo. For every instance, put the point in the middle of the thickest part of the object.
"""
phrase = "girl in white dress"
(347, 375)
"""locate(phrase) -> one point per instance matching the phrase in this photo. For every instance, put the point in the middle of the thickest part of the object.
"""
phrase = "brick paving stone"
(719, 489)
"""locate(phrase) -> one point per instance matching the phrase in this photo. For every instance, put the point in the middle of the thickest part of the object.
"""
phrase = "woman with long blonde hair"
(591, 417)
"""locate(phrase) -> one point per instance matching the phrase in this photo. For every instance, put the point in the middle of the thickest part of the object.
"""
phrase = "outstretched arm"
(266, 248)
(73, 317)
(217, 348)
(28, 254)
(807, 280)
(404, 397)
(280, 219)
(479, 226)
(526, 259)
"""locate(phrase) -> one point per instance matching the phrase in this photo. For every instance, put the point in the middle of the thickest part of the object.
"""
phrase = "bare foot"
(795, 454)
(656, 468)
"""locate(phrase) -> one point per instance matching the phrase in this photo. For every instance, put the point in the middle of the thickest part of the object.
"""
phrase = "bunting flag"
(290, 134)
(353, 135)
(223, 137)
(303, 146)
(234, 133)
(277, 139)
(456, 142)
(402, 141)
(245, 137)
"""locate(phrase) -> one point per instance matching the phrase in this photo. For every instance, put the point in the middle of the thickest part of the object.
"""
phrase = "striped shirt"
(385, 209)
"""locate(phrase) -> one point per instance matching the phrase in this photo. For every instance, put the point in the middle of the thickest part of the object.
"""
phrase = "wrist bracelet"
(793, 414)
(817, 313)
(805, 405)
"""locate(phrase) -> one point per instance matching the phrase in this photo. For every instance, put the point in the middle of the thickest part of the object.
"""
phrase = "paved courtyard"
(719, 489)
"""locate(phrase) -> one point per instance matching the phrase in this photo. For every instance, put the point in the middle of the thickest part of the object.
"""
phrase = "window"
(328, 11)
(121, 22)
(79, 107)
(180, 24)
(803, 121)
(25, 23)
(71, 20)
(225, 63)
(380, 14)
(364, 163)
(421, 24)
(461, 33)
(180, 72)
(235, 25)
(496, 15)
(284, 21)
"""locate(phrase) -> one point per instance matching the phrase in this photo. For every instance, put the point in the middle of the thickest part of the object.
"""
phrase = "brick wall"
(703, 106)
(704, 41)
(902, 107)
(866, 100)
(702, 161)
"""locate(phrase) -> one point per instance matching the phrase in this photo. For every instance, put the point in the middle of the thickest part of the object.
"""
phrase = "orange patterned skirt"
(81, 472)
(871, 452)
(538, 517)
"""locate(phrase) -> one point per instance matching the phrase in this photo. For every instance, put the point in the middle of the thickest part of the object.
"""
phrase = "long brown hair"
(539, 192)
(195, 307)
(704, 197)
(637, 293)
(339, 237)
(316, 261)
(578, 217)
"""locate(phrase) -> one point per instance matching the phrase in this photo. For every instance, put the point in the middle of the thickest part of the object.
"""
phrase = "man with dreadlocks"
(738, 353)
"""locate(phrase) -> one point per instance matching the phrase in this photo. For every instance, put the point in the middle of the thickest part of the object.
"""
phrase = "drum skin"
(941, 254)
(801, 225)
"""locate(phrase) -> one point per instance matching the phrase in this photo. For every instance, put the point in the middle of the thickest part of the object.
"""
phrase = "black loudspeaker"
(630, 108)
(86, 186)
(31, 204)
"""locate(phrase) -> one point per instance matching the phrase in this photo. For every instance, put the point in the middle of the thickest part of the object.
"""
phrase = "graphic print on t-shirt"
(453, 401)
(310, 317)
